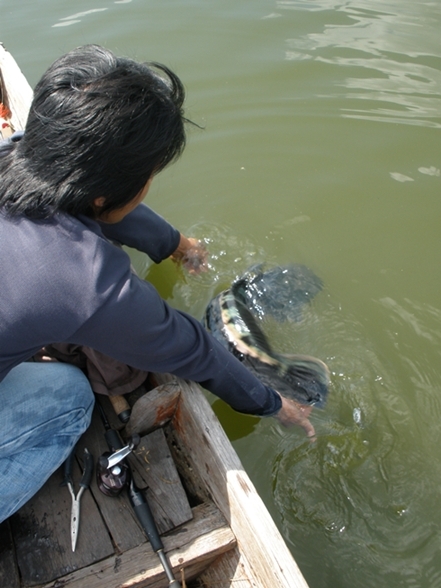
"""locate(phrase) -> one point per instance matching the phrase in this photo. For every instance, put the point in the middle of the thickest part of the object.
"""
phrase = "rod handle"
(113, 440)
(145, 516)
(121, 407)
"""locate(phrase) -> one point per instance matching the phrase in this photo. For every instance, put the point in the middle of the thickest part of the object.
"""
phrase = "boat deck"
(112, 550)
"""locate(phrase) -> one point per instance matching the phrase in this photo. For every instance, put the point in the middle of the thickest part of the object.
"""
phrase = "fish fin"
(308, 375)
(309, 362)
(238, 289)
(280, 292)
(304, 380)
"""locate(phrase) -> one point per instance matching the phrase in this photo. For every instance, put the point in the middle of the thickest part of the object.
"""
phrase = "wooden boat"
(215, 528)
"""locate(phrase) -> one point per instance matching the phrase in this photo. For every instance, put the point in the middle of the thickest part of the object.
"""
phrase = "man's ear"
(99, 202)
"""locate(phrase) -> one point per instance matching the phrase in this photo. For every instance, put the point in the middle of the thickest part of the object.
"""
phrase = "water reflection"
(393, 56)
(76, 18)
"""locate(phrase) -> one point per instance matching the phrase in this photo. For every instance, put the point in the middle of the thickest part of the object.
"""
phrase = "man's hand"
(192, 254)
(293, 413)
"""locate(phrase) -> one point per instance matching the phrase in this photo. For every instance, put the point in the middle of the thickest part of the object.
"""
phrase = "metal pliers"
(84, 483)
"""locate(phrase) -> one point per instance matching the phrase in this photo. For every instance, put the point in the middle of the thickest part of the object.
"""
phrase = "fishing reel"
(113, 472)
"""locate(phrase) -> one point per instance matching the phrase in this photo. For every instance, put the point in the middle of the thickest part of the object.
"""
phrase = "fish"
(280, 292)
(230, 320)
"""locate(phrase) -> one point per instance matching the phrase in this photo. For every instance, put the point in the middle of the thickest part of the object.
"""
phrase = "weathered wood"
(8, 568)
(227, 571)
(194, 485)
(266, 558)
(42, 537)
(191, 548)
(154, 409)
(19, 92)
(116, 512)
(155, 469)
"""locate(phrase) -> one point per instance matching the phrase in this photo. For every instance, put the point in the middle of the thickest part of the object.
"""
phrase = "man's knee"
(40, 400)
(72, 386)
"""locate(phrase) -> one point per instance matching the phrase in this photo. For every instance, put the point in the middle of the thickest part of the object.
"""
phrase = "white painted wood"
(19, 91)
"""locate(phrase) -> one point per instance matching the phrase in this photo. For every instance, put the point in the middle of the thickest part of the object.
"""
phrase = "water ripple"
(76, 18)
(363, 488)
(229, 256)
(397, 67)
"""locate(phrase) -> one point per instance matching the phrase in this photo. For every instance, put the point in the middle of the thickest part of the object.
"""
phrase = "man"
(99, 129)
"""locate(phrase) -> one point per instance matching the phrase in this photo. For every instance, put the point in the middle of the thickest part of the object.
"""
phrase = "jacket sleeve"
(145, 230)
(134, 325)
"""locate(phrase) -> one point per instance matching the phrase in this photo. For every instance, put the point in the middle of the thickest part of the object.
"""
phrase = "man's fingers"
(309, 429)
(293, 413)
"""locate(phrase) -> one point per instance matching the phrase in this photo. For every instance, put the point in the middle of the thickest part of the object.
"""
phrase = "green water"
(321, 145)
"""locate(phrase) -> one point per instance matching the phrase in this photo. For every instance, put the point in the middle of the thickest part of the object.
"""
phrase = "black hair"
(98, 126)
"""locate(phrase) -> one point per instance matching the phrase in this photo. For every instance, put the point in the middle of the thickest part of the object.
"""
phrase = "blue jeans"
(44, 410)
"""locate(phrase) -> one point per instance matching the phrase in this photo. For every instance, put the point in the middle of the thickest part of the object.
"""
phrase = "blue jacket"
(63, 281)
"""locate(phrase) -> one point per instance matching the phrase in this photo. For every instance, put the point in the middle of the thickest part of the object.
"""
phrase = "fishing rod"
(114, 473)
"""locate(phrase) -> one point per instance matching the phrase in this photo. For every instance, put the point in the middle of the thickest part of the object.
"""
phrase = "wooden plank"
(41, 530)
(227, 571)
(19, 92)
(165, 492)
(116, 512)
(154, 468)
(8, 567)
(266, 557)
(154, 409)
(190, 548)
(194, 485)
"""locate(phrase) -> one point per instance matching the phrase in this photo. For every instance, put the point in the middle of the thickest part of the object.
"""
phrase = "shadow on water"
(229, 256)
(237, 426)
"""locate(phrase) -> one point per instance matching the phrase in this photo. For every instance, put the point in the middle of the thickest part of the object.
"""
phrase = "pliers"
(84, 483)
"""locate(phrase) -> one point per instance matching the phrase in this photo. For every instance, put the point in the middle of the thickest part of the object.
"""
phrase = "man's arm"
(145, 230)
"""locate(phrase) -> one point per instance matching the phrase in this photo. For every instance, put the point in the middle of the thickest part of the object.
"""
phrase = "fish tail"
(306, 375)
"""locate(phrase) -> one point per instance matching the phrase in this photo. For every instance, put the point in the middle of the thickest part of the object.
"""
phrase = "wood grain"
(154, 468)
(154, 409)
(8, 569)
(41, 530)
(191, 548)
(19, 91)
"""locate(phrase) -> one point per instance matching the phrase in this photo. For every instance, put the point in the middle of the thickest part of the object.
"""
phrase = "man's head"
(99, 127)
